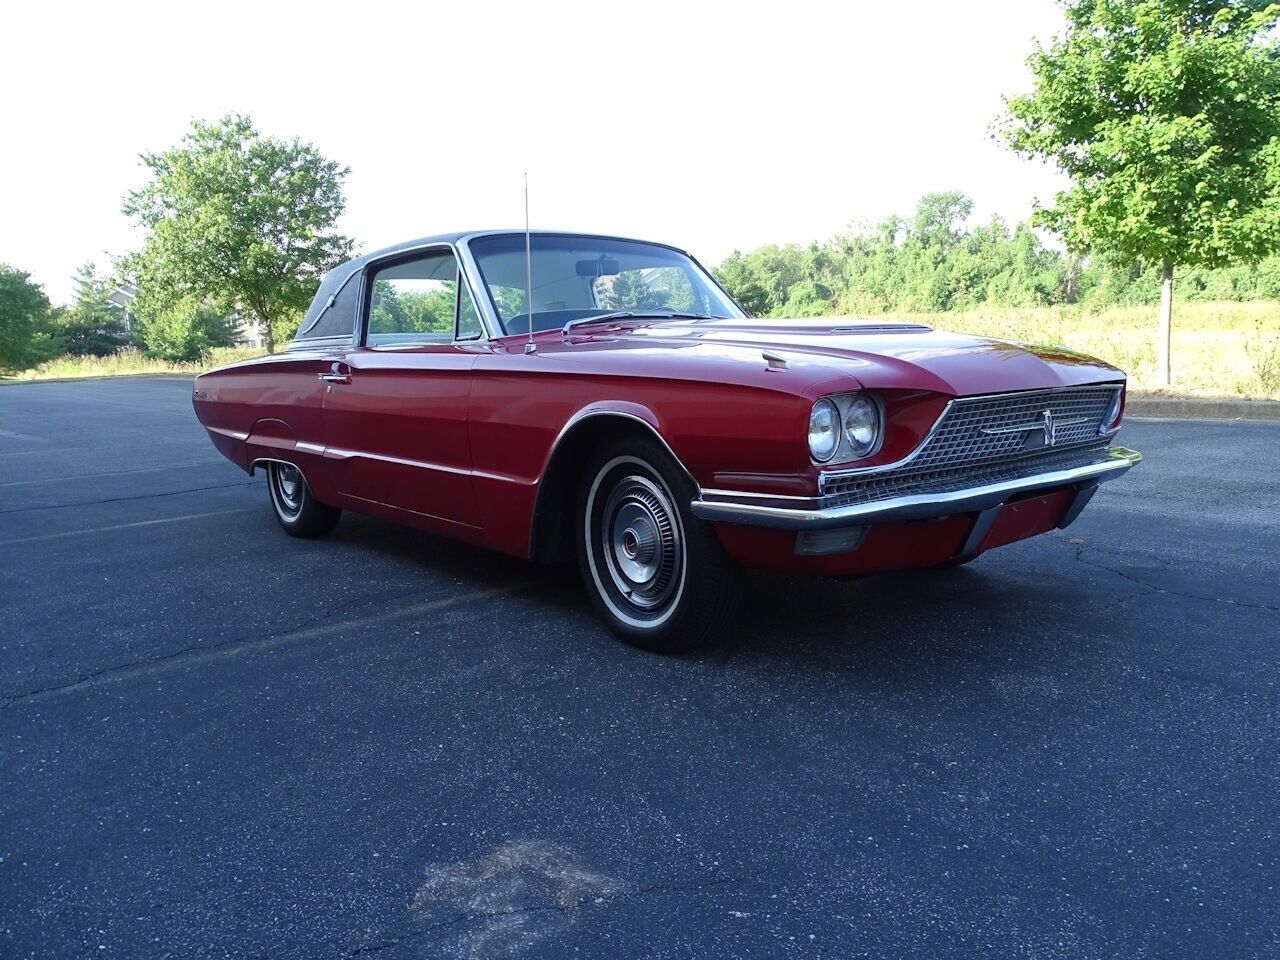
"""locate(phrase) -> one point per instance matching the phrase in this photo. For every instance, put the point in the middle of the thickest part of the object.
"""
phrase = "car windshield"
(575, 278)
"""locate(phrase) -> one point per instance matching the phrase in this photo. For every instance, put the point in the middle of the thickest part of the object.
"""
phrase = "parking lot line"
(231, 648)
(111, 473)
(125, 526)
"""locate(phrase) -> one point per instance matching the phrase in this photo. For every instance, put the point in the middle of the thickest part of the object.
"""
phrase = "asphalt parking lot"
(218, 741)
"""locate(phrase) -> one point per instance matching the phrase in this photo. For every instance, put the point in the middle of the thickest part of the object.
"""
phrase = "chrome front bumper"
(810, 513)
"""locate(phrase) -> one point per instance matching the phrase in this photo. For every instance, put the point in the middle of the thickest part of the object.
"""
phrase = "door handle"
(335, 374)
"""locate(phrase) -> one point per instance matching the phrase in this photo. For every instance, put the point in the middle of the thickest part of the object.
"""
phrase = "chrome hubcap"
(288, 484)
(641, 542)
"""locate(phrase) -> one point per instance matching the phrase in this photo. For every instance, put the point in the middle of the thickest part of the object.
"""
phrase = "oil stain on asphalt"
(517, 894)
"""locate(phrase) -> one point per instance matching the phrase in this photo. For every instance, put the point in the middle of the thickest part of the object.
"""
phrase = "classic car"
(559, 395)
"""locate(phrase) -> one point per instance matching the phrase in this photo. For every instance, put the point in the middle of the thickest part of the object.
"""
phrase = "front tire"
(296, 509)
(656, 573)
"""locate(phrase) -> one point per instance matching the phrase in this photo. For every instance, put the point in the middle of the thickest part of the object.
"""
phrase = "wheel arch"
(550, 533)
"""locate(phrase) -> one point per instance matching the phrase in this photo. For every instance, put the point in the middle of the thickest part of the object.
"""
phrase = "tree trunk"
(1164, 342)
(268, 339)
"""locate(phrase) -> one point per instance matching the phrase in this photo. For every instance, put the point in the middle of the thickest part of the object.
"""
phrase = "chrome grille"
(979, 439)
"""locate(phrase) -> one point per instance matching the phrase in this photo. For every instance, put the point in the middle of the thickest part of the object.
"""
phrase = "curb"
(1200, 408)
(14, 381)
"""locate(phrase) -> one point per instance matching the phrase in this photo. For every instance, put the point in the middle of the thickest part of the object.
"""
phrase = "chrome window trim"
(490, 313)
(366, 270)
(317, 343)
(840, 474)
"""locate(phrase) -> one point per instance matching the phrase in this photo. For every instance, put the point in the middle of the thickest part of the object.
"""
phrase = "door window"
(414, 301)
(468, 317)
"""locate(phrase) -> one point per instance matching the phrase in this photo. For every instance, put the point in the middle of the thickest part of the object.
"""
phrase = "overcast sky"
(710, 126)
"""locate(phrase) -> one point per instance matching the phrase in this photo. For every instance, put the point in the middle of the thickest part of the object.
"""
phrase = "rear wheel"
(296, 509)
(656, 573)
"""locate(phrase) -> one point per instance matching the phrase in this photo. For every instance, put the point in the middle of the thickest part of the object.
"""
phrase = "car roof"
(455, 236)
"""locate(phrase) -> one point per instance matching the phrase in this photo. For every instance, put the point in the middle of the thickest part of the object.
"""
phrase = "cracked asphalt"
(219, 742)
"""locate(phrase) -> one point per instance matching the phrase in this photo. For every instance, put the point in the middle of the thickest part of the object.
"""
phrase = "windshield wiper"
(633, 314)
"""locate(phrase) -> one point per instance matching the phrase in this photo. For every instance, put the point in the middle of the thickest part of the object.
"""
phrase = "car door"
(395, 406)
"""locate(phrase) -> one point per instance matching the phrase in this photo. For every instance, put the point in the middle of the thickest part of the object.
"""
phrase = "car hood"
(878, 355)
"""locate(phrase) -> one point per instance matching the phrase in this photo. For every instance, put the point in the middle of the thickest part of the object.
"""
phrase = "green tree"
(1166, 116)
(26, 335)
(184, 329)
(240, 221)
(93, 325)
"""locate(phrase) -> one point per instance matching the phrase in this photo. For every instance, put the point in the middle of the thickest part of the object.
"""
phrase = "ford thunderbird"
(564, 396)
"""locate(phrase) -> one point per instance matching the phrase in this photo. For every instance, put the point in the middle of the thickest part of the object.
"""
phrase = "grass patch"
(1218, 348)
(130, 362)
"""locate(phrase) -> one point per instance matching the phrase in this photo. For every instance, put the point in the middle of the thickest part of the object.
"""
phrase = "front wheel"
(296, 509)
(656, 573)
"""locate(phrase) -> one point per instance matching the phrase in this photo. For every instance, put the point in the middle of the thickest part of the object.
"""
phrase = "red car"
(637, 418)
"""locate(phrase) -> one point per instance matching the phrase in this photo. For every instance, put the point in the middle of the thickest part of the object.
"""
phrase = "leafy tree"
(240, 221)
(630, 290)
(185, 329)
(940, 218)
(1166, 116)
(26, 335)
(93, 325)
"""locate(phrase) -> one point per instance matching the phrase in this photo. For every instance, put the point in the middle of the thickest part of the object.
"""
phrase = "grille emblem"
(1047, 425)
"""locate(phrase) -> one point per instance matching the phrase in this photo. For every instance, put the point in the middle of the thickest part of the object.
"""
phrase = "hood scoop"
(883, 328)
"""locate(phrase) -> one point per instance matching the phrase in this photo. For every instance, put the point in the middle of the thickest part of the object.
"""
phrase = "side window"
(468, 317)
(413, 301)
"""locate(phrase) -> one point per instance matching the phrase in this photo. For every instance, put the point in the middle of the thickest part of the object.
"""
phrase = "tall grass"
(129, 362)
(1218, 348)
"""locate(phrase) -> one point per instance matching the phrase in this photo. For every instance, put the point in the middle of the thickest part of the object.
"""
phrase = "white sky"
(710, 126)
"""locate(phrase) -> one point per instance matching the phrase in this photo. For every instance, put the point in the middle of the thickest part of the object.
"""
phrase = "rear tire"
(656, 573)
(296, 509)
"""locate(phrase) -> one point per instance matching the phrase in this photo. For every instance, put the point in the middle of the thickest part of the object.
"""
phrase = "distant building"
(121, 297)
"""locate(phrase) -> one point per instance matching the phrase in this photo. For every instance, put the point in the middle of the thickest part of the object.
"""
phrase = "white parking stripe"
(126, 526)
(27, 453)
(112, 473)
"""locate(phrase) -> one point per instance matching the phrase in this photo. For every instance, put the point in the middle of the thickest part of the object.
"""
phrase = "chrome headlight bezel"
(868, 413)
(825, 407)
(1115, 413)
(846, 449)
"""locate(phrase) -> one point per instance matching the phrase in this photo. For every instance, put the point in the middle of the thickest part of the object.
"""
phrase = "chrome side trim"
(580, 416)
(827, 475)
(227, 432)
(340, 453)
(920, 506)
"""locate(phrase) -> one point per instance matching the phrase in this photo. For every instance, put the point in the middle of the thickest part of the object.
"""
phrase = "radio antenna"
(530, 346)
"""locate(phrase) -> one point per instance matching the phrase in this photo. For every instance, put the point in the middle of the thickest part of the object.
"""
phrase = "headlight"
(824, 430)
(861, 426)
(1111, 420)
